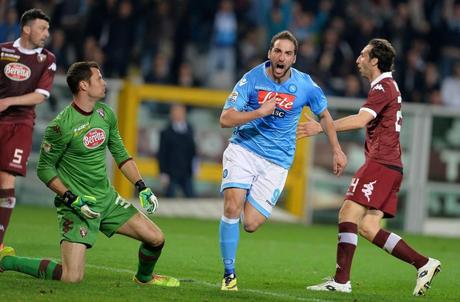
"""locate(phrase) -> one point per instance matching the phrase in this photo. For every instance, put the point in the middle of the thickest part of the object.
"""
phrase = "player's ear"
(374, 61)
(295, 58)
(27, 29)
(83, 85)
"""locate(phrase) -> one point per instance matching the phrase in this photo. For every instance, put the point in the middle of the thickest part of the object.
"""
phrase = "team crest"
(292, 88)
(41, 58)
(67, 225)
(101, 112)
(225, 173)
(83, 231)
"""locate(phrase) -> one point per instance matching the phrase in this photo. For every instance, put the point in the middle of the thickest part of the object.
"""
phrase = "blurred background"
(157, 53)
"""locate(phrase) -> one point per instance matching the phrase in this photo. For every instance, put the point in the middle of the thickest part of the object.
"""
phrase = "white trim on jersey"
(43, 91)
(374, 114)
(25, 50)
(381, 77)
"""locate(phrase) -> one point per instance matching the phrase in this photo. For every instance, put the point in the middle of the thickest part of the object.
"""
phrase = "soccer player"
(264, 109)
(72, 164)
(27, 73)
(372, 194)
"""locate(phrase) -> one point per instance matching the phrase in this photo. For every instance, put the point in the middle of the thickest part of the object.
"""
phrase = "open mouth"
(279, 68)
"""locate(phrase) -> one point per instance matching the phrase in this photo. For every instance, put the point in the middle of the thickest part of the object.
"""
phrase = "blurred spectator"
(120, 40)
(353, 87)
(58, 47)
(9, 28)
(186, 77)
(222, 54)
(176, 153)
(450, 89)
(159, 71)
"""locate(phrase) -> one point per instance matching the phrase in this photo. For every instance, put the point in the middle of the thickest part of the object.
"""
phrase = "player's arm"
(53, 147)
(231, 117)
(339, 158)
(147, 199)
(351, 122)
(127, 165)
(29, 99)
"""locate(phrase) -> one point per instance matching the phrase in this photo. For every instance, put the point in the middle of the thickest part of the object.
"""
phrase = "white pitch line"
(255, 291)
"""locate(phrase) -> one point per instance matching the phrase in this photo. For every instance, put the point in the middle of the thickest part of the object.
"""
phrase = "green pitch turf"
(274, 264)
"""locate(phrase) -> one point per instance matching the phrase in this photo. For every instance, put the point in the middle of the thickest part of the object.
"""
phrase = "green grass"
(274, 264)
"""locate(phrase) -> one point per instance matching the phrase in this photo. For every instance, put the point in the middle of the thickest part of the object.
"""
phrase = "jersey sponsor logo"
(368, 189)
(9, 57)
(242, 82)
(378, 87)
(94, 138)
(283, 100)
(17, 72)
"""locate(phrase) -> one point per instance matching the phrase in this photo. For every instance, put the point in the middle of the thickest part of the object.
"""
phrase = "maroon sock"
(348, 239)
(397, 247)
(7, 202)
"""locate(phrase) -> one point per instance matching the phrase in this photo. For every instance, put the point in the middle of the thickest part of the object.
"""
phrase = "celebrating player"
(264, 108)
(72, 164)
(26, 79)
(372, 194)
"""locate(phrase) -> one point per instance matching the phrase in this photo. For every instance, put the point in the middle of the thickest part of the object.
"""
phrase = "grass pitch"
(273, 264)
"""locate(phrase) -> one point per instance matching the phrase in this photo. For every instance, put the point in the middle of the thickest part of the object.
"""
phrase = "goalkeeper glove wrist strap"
(140, 185)
(69, 198)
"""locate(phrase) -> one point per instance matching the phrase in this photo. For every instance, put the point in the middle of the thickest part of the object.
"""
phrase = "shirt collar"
(381, 77)
(25, 50)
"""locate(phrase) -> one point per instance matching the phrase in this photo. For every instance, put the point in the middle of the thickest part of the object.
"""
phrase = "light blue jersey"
(273, 137)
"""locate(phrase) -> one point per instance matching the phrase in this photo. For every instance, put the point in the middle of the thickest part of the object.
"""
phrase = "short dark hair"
(285, 35)
(79, 71)
(384, 52)
(32, 14)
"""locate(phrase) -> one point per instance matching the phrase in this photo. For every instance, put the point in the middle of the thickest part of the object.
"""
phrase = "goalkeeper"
(72, 164)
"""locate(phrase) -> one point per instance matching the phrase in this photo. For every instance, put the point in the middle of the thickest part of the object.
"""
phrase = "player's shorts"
(376, 186)
(76, 229)
(15, 142)
(263, 180)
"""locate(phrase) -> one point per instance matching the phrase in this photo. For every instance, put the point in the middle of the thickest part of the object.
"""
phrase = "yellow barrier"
(129, 101)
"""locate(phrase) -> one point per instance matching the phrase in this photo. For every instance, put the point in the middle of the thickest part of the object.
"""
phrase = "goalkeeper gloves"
(147, 199)
(81, 204)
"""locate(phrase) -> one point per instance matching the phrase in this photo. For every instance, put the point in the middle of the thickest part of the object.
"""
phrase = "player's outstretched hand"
(81, 204)
(308, 128)
(148, 200)
(339, 162)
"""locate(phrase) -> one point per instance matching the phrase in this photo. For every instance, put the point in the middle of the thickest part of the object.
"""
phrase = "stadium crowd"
(211, 43)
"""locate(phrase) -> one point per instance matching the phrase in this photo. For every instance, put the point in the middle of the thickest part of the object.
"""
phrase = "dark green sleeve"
(53, 146)
(115, 144)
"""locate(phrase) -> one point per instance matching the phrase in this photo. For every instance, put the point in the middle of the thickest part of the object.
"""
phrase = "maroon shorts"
(16, 143)
(376, 186)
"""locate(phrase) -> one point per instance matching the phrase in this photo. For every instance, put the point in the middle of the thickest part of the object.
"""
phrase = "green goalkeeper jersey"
(74, 149)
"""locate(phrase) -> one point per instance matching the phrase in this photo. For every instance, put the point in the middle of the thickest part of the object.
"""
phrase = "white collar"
(381, 77)
(26, 51)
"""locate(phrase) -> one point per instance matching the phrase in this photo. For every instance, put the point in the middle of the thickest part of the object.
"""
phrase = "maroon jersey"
(382, 133)
(24, 71)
